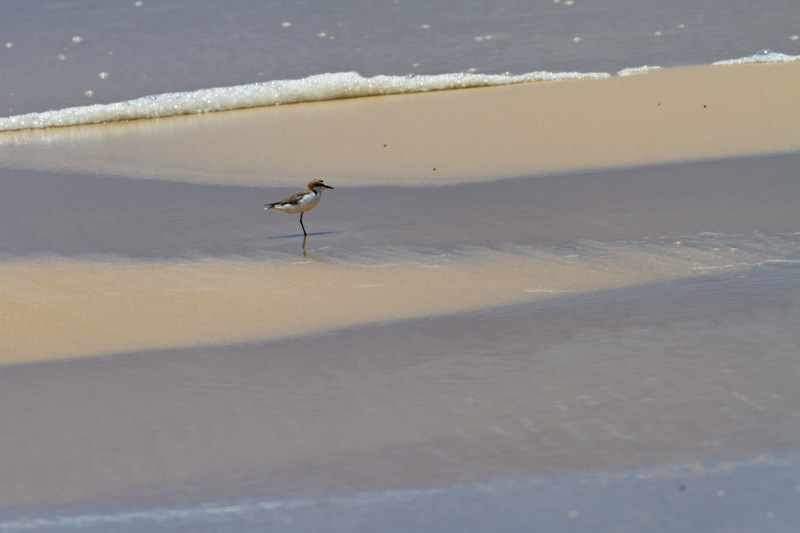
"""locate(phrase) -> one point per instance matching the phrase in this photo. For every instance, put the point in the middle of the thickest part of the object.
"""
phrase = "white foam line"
(544, 290)
(156, 516)
(195, 289)
(635, 71)
(778, 261)
(320, 87)
(764, 56)
(713, 267)
(221, 511)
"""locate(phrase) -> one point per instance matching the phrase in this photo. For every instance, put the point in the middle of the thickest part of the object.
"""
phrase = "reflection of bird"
(301, 201)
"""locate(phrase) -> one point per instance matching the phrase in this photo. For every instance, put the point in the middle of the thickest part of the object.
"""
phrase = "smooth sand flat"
(56, 308)
(668, 115)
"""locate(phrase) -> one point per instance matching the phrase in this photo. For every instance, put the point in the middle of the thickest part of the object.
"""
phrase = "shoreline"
(666, 115)
(638, 486)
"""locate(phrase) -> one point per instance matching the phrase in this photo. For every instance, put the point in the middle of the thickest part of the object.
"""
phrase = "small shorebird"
(301, 201)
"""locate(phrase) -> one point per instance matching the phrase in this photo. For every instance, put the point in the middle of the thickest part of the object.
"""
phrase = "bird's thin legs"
(302, 226)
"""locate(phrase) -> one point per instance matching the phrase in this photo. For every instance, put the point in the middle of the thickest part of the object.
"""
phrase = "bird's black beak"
(327, 186)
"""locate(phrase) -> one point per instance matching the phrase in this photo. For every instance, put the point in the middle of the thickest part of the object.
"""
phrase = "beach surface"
(582, 293)
(443, 137)
(91, 303)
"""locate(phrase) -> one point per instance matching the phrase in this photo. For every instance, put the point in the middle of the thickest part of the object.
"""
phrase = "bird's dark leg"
(302, 226)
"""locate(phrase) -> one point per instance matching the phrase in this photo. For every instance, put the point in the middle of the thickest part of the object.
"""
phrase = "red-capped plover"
(301, 201)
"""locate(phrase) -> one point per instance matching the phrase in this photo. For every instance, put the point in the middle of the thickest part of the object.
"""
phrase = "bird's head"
(318, 185)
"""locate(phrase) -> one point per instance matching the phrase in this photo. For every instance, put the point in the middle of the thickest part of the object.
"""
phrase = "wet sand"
(666, 373)
(451, 327)
(66, 308)
(72, 215)
(248, 281)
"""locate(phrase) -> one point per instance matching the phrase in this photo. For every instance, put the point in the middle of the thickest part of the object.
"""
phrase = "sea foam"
(315, 88)
(320, 87)
(635, 71)
(764, 56)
